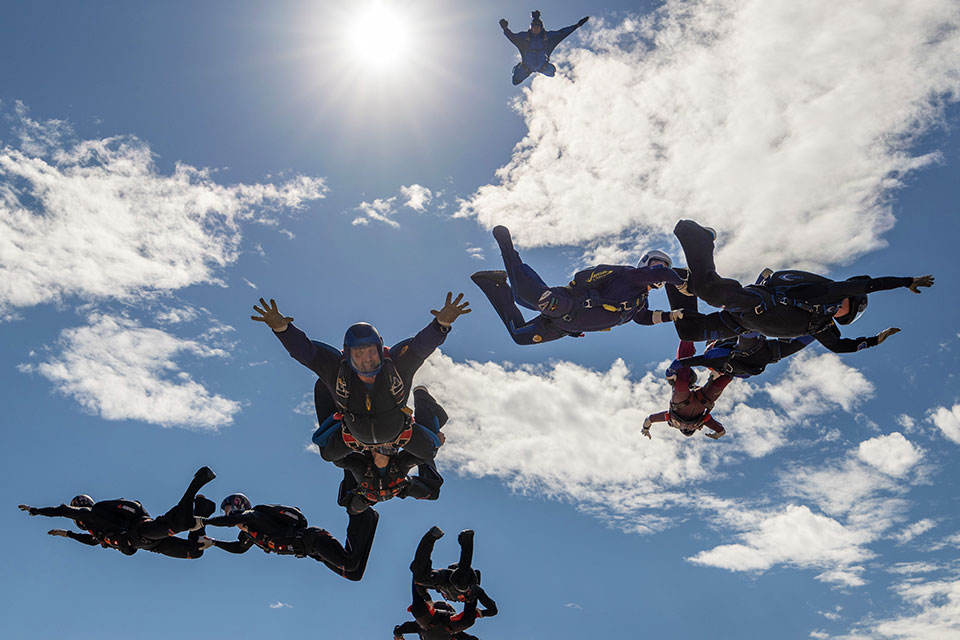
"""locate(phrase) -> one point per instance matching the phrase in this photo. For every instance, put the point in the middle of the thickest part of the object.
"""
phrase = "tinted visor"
(365, 359)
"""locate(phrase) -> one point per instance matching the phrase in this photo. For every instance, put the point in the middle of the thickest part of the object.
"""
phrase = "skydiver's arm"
(489, 606)
(408, 355)
(85, 538)
(463, 635)
(518, 39)
(556, 37)
(182, 548)
(319, 357)
(409, 626)
(663, 416)
(715, 387)
(832, 340)
(464, 619)
(64, 511)
(831, 292)
(232, 519)
(791, 347)
(241, 545)
(714, 425)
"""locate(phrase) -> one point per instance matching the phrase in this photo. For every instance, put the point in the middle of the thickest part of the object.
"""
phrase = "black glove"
(503, 23)
(583, 21)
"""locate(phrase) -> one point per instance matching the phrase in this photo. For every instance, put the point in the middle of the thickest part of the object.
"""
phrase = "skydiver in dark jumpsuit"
(535, 46)
(784, 304)
(439, 620)
(370, 384)
(458, 582)
(377, 475)
(126, 526)
(284, 531)
(597, 299)
(690, 405)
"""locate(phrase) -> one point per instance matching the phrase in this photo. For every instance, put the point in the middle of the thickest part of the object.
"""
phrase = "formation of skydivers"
(367, 429)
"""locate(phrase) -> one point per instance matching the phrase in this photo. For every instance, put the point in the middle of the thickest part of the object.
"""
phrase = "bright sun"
(378, 36)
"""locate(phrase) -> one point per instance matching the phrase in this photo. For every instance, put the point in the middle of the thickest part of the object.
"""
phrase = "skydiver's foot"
(466, 534)
(502, 235)
(690, 225)
(421, 395)
(203, 506)
(435, 532)
(204, 474)
(498, 277)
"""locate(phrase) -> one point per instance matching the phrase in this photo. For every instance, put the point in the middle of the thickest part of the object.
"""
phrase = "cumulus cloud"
(817, 384)
(120, 370)
(731, 114)
(934, 607)
(948, 421)
(893, 454)
(416, 196)
(97, 219)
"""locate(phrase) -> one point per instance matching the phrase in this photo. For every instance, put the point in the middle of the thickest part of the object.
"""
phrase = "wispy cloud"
(120, 370)
(97, 219)
(707, 116)
(934, 613)
(281, 605)
(381, 210)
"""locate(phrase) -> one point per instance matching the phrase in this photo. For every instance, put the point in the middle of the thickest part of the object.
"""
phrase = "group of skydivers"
(366, 428)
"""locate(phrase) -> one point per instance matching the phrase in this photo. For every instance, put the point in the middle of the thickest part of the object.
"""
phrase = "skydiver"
(381, 473)
(597, 299)
(438, 620)
(746, 355)
(370, 384)
(783, 304)
(459, 582)
(690, 405)
(126, 526)
(536, 45)
(283, 530)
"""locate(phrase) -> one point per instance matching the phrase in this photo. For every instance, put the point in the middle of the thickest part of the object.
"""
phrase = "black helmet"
(237, 502)
(535, 18)
(858, 304)
(82, 500)
(360, 335)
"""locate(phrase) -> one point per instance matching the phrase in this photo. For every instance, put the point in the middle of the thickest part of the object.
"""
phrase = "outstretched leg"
(526, 285)
(427, 411)
(704, 282)
(421, 566)
(548, 70)
(464, 577)
(349, 561)
(520, 73)
(494, 286)
(180, 517)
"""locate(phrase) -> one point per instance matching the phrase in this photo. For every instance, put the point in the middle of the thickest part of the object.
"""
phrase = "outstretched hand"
(503, 23)
(271, 316)
(646, 428)
(205, 543)
(716, 435)
(920, 281)
(451, 310)
(27, 508)
(886, 333)
(57, 532)
(583, 20)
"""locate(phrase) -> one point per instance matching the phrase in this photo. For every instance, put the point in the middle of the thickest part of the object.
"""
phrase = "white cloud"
(934, 613)
(795, 536)
(847, 577)
(917, 528)
(417, 196)
(909, 568)
(122, 371)
(816, 384)
(948, 421)
(893, 454)
(380, 210)
(248, 283)
(281, 605)
(905, 421)
(731, 114)
(475, 252)
(97, 219)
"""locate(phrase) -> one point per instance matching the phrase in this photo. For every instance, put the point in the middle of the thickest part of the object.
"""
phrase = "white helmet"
(655, 255)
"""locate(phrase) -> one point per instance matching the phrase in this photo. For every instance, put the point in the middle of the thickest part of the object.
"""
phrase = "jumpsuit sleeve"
(464, 619)
(715, 387)
(85, 538)
(241, 545)
(233, 519)
(489, 605)
(63, 511)
(321, 358)
(178, 548)
(410, 626)
(408, 355)
(516, 38)
(793, 346)
(832, 340)
(713, 424)
(663, 416)
(556, 37)
(830, 292)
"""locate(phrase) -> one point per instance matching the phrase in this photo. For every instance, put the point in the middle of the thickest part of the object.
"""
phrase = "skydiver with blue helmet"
(535, 46)
(370, 384)
(782, 304)
(597, 299)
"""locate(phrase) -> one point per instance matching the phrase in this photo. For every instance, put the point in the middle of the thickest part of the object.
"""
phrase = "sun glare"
(379, 36)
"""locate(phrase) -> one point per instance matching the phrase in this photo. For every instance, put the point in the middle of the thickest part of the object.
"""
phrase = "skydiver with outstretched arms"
(459, 582)
(126, 526)
(284, 531)
(369, 383)
(597, 299)
(690, 405)
(536, 45)
(782, 304)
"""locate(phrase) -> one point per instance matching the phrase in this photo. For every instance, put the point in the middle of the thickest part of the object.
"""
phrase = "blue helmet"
(360, 335)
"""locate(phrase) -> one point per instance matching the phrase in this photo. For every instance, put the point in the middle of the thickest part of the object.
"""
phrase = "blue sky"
(162, 167)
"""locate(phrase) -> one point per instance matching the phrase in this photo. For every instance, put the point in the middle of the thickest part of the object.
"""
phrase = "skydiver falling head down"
(536, 45)
(370, 383)
(597, 299)
(690, 405)
(783, 304)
